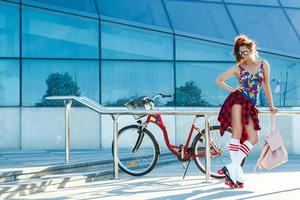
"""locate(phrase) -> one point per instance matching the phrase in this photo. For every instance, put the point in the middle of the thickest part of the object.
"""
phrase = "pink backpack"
(274, 152)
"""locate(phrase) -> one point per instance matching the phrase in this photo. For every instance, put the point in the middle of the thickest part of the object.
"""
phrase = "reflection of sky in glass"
(210, 20)
(135, 78)
(192, 49)
(255, 2)
(9, 82)
(267, 32)
(36, 72)
(123, 42)
(279, 67)
(9, 30)
(291, 3)
(86, 7)
(50, 34)
(146, 12)
(294, 15)
(204, 75)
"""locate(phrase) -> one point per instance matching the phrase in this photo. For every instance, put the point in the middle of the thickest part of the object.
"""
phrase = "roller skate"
(240, 178)
(230, 175)
(229, 182)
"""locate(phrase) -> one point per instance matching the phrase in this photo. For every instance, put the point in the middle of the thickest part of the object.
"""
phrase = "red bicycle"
(139, 150)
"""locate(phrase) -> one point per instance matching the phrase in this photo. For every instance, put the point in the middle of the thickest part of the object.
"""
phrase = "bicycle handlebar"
(161, 95)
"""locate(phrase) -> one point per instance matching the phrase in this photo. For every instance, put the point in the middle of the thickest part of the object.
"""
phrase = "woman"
(239, 111)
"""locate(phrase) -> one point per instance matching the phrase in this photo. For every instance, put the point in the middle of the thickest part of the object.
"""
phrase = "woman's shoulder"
(264, 63)
(236, 69)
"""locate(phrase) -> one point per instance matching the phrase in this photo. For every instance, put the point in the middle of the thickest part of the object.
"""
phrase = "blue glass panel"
(48, 34)
(200, 19)
(126, 80)
(58, 77)
(266, 32)
(255, 2)
(294, 15)
(284, 80)
(9, 83)
(9, 29)
(81, 7)
(291, 3)
(192, 49)
(213, 0)
(141, 13)
(195, 83)
(17, 1)
(124, 42)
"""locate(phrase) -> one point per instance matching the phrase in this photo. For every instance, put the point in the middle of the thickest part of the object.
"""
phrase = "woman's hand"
(273, 109)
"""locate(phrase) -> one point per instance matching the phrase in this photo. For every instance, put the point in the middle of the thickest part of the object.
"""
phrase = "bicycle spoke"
(219, 151)
(144, 158)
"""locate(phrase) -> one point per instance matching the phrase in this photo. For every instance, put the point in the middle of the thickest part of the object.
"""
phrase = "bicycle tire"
(223, 147)
(139, 169)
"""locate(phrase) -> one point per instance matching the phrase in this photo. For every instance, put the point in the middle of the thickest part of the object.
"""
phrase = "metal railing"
(116, 113)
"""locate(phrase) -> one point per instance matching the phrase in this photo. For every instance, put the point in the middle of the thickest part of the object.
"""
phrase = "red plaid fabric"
(248, 110)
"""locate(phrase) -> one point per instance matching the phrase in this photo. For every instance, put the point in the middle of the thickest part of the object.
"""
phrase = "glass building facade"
(115, 50)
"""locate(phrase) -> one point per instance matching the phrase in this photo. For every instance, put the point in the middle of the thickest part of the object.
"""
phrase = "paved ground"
(166, 182)
(18, 159)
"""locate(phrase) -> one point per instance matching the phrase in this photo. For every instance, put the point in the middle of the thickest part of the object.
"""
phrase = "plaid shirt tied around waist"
(248, 110)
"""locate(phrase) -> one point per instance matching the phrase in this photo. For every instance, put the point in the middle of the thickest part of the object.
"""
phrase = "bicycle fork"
(140, 138)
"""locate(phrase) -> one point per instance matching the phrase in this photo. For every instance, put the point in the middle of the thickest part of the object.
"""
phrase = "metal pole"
(285, 87)
(207, 150)
(286, 81)
(68, 104)
(116, 146)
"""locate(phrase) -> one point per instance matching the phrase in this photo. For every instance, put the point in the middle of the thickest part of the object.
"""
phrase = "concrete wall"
(43, 128)
(10, 129)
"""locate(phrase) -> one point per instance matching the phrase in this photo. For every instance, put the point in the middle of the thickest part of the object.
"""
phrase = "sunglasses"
(243, 53)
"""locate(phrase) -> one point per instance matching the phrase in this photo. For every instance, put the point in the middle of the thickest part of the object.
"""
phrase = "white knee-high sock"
(234, 145)
(244, 150)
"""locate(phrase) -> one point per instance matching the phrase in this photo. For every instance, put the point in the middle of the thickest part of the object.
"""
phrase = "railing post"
(207, 149)
(68, 104)
(116, 146)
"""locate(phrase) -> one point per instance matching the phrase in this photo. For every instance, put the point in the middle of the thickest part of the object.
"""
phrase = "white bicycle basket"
(143, 103)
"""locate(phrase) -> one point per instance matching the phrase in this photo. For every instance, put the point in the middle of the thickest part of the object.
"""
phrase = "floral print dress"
(251, 83)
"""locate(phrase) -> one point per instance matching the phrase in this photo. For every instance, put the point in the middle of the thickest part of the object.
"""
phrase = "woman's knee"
(253, 138)
(237, 131)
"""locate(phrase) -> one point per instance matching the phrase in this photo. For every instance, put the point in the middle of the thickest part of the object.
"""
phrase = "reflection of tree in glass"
(187, 95)
(190, 95)
(121, 101)
(59, 85)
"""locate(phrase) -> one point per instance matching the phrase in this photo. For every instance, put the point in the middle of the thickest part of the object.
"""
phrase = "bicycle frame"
(181, 150)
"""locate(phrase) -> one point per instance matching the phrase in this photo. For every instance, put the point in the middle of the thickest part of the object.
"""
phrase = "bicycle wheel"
(220, 155)
(138, 152)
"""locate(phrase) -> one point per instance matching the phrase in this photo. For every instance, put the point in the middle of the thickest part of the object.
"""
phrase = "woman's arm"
(266, 85)
(220, 81)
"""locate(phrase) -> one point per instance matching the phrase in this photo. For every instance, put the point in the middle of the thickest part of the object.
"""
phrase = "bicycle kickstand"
(186, 168)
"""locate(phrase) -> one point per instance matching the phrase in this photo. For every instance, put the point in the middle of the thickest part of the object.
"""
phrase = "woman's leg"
(246, 147)
(236, 121)
(253, 134)
(237, 128)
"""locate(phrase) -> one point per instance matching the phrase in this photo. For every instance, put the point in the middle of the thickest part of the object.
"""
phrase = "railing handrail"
(103, 110)
(115, 113)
